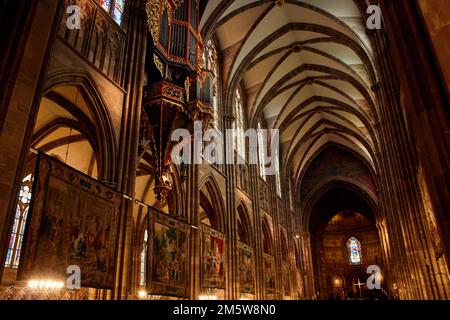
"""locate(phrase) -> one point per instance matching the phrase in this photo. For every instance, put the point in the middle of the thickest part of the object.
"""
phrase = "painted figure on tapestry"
(286, 278)
(169, 255)
(269, 274)
(213, 262)
(75, 230)
(246, 270)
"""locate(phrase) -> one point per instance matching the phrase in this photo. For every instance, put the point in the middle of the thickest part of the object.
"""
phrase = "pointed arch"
(267, 237)
(346, 184)
(245, 225)
(104, 132)
(212, 202)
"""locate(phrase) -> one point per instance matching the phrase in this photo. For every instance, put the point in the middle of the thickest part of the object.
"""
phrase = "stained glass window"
(142, 271)
(115, 8)
(106, 4)
(119, 6)
(16, 239)
(261, 153)
(239, 126)
(354, 251)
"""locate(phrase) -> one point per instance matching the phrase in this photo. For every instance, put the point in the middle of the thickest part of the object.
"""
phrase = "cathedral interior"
(349, 198)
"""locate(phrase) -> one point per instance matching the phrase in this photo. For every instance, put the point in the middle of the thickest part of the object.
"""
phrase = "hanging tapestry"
(269, 273)
(73, 222)
(246, 269)
(286, 279)
(169, 256)
(213, 258)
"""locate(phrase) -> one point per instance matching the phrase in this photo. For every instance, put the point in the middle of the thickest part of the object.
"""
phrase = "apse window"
(354, 251)
(115, 8)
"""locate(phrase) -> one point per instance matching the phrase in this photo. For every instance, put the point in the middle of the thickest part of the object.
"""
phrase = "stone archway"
(355, 287)
(338, 214)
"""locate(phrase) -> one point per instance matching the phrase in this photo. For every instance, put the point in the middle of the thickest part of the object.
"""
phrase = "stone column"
(411, 115)
(232, 270)
(257, 234)
(193, 215)
(129, 140)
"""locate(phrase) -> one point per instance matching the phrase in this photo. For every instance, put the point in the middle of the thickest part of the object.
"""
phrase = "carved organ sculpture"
(173, 95)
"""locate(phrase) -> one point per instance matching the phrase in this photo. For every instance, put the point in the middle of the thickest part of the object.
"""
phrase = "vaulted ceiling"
(307, 69)
(65, 129)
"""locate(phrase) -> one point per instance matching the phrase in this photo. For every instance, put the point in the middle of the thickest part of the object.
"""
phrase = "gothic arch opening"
(65, 129)
(82, 101)
(344, 241)
(361, 175)
(245, 234)
(211, 206)
(267, 237)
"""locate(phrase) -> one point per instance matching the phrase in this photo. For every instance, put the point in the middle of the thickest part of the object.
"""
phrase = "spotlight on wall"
(297, 236)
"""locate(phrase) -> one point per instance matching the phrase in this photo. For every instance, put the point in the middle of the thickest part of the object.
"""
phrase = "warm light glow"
(246, 296)
(207, 297)
(45, 285)
(337, 281)
(142, 294)
(379, 277)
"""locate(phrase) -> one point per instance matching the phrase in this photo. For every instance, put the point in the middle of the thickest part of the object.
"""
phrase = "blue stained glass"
(17, 258)
(8, 259)
(106, 4)
(12, 240)
(115, 8)
(16, 224)
(17, 233)
(117, 15)
(354, 249)
(120, 4)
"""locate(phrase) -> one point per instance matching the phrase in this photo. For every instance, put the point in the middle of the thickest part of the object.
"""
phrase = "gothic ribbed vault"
(307, 69)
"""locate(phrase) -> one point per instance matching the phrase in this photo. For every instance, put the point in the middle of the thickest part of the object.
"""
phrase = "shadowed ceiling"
(307, 70)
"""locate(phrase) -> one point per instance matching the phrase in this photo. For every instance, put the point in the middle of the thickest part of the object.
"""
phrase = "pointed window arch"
(354, 251)
(20, 219)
